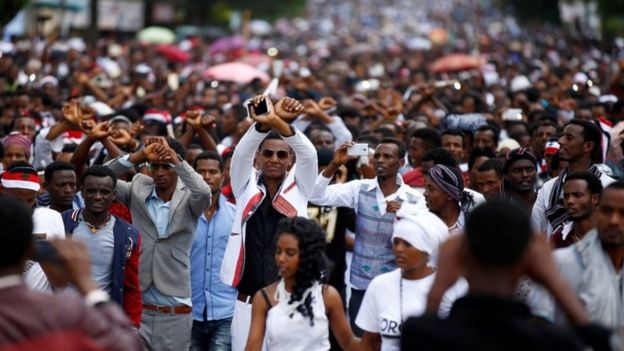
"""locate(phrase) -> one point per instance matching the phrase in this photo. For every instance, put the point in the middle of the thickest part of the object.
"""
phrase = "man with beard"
(375, 202)
(519, 174)
(593, 267)
(581, 195)
(580, 147)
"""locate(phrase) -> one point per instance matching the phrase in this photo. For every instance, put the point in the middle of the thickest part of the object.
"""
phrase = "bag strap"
(266, 297)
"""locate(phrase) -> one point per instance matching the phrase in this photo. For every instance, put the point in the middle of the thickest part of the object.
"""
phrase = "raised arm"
(345, 194)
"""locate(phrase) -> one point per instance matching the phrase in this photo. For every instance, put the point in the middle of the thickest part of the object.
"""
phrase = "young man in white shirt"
(375, 202)
(21, 182)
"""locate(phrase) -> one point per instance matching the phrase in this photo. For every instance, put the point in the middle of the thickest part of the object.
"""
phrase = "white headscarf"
(421, 229)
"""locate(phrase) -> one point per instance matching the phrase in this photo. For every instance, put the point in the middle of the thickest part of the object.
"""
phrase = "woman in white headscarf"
(394, 296)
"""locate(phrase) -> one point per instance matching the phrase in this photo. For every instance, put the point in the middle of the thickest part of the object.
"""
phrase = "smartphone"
(45, 252)
(261, 109)
(358, 150)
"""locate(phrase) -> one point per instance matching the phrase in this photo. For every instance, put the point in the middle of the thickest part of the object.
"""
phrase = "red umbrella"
(456, 62)
(235, 72)
(173, 53)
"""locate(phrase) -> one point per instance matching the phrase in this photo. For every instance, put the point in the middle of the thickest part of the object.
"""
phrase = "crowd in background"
(161, 155)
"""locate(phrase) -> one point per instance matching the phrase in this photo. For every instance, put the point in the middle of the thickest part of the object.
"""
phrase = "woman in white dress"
(295, 313)
(394, 296)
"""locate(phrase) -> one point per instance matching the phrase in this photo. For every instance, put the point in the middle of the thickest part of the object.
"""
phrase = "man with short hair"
(213, 301)
(21, 181)
(581, 196)
(486, 136)
(114, 245)
(454, 142)
(30, 320)
(61, 185)
(420, 142)
(498, 248)
(165, 208)
(593, 267)
(580, 147)
(478, 155)
(279, 187)
(489, 177)
(375, 202)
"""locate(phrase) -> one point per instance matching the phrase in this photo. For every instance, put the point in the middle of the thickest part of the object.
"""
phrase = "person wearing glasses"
(165, 208)
(268, 185)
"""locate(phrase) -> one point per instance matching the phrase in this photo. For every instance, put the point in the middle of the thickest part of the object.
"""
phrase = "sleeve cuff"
(96, 297)
(125, 161)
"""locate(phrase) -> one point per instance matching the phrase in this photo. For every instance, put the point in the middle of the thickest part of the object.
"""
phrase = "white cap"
(581, 78)
(519, 83)
(512, 114)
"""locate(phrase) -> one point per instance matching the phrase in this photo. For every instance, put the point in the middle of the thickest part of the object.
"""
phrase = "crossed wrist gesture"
(74, 112)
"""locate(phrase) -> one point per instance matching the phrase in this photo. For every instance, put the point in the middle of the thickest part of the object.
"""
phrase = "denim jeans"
(211, 335)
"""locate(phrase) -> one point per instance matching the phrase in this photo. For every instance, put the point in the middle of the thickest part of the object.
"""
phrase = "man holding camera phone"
(375, 202)
(20, 181)
(275, 188)
(30, 320)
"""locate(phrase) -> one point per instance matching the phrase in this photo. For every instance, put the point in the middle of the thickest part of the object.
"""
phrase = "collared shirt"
(44, 200)
(458, 227)
(347, 194)
(159, 211)
(212, 299)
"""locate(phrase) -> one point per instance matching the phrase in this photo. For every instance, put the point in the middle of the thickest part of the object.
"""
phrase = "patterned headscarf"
(16, 138)
(451, 183)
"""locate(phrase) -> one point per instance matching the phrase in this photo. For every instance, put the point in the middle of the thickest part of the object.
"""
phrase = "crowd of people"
(376, 192)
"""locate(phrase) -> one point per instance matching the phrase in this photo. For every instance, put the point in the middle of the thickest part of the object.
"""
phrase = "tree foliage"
(9, 8)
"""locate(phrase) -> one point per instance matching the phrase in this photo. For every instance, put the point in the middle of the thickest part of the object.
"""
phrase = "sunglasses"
(281, 154)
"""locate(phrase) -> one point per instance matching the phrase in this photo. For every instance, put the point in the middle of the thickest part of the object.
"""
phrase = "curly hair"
(313, 263)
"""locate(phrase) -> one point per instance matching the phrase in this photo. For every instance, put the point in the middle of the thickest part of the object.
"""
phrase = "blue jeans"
(211, 335)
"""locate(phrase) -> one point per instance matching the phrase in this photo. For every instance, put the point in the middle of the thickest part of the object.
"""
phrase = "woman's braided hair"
(313, 263)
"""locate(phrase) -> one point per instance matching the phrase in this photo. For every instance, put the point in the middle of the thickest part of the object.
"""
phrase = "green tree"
(9, 8)
(528, 11)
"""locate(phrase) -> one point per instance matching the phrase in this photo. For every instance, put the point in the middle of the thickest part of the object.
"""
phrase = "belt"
(244, 298)
(180, 309)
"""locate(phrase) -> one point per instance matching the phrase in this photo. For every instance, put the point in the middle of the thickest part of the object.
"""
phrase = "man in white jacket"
(274, 189)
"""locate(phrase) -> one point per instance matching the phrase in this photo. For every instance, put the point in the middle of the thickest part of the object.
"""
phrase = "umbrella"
(156, 35)
(226, 44)
(173, 53)
(187, 31)
(256, 60)
(439, 36)
(456, 62)
(235, 72)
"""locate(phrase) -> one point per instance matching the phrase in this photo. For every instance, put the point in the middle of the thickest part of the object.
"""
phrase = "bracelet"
(96, 297)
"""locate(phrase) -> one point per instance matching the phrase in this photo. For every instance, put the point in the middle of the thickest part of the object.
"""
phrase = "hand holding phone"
(360, 149)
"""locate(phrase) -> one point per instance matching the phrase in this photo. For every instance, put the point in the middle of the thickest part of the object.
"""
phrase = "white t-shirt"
(47, 224)
(380, 311)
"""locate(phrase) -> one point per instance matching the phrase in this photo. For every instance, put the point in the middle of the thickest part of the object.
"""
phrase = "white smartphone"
(358, 150)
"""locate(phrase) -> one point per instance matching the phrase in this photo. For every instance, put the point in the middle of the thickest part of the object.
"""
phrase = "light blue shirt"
(101, 246)
(209, 292)
(159, 211)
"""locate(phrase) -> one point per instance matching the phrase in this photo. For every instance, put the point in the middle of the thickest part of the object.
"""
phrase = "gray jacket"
(165, 262)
